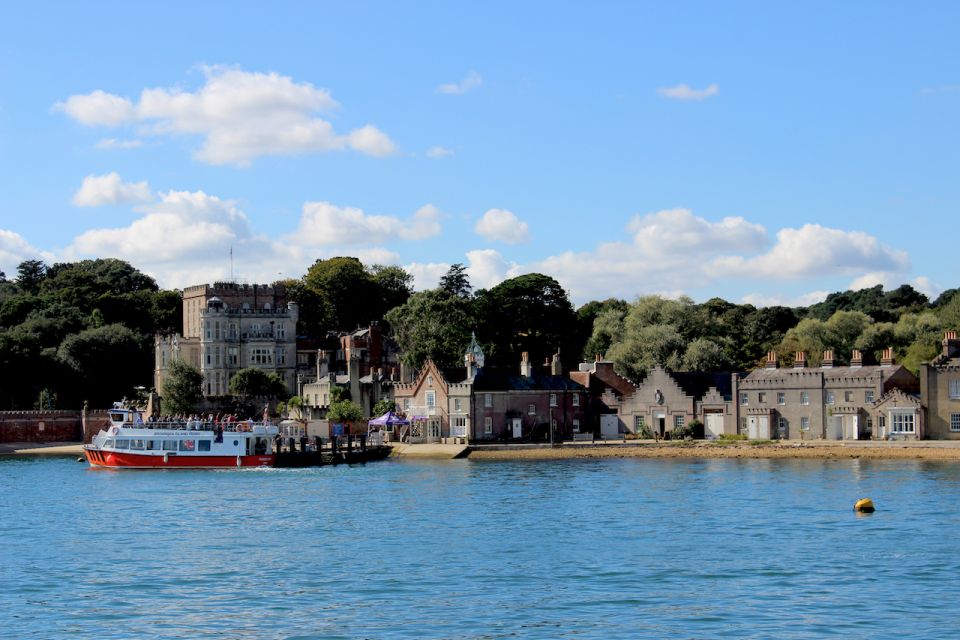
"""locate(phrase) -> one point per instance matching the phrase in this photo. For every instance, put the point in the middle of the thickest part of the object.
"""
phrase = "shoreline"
(925, 450)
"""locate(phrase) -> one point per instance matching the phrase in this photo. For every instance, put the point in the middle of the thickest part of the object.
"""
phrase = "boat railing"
(197, 425)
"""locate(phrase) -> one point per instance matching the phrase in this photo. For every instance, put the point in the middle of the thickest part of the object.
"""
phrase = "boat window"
(108, 443)
(203, 445)
(153, 445)
(169, 445)
(123, 444)
(116, 417)
(188, 445)
(136, 444)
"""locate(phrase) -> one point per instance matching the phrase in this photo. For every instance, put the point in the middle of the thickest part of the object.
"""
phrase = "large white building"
(228, 327)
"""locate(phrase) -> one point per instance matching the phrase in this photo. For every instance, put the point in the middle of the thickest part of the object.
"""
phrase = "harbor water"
(615, 548)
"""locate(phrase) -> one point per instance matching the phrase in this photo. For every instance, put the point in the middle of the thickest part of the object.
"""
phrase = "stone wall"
(40, 426)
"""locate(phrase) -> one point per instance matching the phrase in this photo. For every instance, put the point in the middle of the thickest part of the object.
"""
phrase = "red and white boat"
(131, 443)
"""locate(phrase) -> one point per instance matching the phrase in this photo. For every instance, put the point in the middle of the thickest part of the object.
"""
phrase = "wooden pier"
(320, 452)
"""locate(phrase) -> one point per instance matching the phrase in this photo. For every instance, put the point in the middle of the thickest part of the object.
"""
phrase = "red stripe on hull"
(126, 460)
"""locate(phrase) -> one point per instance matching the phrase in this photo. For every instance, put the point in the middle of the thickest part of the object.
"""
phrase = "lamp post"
(551, 426)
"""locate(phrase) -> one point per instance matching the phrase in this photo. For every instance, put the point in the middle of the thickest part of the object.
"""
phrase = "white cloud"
(323, 223)
(685, 92)
(240, 115)
(805, 300)
(186, 238)
(503, 226)
(426, 275)
(814, 250)
(673, 250)
(488, 268)
(472, 81)
(893, 280)
(115, 143)
(97, 191)
(439, 152)
(14, 249)
(98, 108)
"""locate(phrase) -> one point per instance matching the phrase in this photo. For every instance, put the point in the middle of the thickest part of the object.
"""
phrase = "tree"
(455, 281)
(383, 406)
(256, 383)
(30, 273)
(530, 313)
(292, 408)
(608, 328)
(345, 411)
(703, 354)
(394, 287)
(182, 389)
(108, 362)
(432, 324)
(349, 289)
(644, 348)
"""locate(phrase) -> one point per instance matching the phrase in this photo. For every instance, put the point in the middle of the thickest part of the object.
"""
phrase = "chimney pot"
(800, 360)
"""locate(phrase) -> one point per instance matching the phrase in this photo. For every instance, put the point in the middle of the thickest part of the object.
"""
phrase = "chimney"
(555, 368)
(470, 361)
(393, 374)
(323, 363)
(856, 358)
(951, 346)
(771, 359)
(827, 359)
(800, 360)
(887, 359)
(526, 369)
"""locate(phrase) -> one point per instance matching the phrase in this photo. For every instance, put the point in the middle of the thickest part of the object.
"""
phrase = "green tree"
(108, 362)
(30, 273)
(182, 389)
(432, 324)
(383, 406)
(394, 286)
(348, 287)
(456, 282)
(292, 408)
(646, 347)
(703, 354)
(530, 313)
(251, 383)
(608, 329)
(345, 411)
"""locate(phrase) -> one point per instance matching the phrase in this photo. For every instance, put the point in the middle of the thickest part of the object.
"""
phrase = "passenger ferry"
(131, 443)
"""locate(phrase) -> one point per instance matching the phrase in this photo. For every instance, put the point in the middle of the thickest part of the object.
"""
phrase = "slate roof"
(494, 380)
(697, 384)
(828, 372)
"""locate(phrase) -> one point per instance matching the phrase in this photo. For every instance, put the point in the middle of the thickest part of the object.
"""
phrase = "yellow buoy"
(864, 505)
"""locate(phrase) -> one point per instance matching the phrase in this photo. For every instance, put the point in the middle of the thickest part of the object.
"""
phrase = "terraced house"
(940, 390)
(856, 401)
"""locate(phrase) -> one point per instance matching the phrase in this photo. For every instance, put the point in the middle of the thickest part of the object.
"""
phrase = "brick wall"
(40, 426)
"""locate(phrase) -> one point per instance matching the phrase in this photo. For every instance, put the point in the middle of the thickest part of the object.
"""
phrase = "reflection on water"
(617, 548)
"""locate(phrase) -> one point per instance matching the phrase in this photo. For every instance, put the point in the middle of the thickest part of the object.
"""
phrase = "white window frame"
(830, 398)
(781, 397)
(955, 389)
(488, 425)
(903, 422)
(804, 423)
(531, 409)
(868, 396)
(431, 399)
(487, 400)
(744, 399)
(761, 397)
(678, 420)
(804, 397)
(576, 399)
(457, 405)
(955, 422)
(576, 425)
(553, 399)
(639, 422)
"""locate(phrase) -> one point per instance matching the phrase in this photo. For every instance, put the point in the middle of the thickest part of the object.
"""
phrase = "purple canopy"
(389, 419)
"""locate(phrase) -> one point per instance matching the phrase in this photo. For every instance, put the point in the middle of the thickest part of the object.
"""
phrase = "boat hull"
(128, 460)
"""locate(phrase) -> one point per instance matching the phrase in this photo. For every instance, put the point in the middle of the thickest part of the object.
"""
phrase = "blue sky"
(759, 152)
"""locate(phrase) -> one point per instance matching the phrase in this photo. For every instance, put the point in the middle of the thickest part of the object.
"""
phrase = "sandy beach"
(878, 450)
